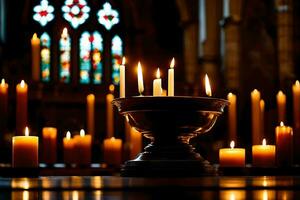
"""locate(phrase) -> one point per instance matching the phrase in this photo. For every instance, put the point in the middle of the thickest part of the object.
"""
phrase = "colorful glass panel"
(76, 12)
(117, 53)
(65, 57)
(43, 13)
(107, 16)
(97, 45)
(85, 58)
(45, 57)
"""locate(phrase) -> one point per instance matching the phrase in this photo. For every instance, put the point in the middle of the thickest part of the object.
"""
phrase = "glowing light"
(3, 82)
(140, 79)
(26, 131)
(172, 64)
(264, 142)
(281, 124)
(207, 86)
(157, 73)
(232, 144)
(68, 135)
(82, 133)
(22, 84)
(123, 60)
(111, 88)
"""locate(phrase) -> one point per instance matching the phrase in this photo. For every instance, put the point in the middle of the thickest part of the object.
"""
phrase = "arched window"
(65, 57)
(45, 57)
(91, 49)
(117, 53)
(88, 54)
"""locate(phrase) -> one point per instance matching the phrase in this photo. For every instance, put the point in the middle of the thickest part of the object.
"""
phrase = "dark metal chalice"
(169, 122)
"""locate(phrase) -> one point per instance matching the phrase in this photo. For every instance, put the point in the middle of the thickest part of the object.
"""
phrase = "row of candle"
(262, 155)
(76, 150)
(257, 114)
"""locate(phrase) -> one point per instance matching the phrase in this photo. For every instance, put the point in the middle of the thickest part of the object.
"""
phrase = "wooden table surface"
(114, 187)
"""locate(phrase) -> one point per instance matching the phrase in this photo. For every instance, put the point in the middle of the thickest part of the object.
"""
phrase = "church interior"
(124, 95)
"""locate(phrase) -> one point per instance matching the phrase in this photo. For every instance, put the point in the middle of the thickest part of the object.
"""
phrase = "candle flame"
(232, 196)
(297, 83)
(82, 133)
(22, 84)
(90, 97)
(34, 37)
(157, 73)
(172, 64)
(207, 86)
(281, 123)
(123, 60)
(232, 144)
(68, 135)
(229, 95)
(264, 142)
(3, 82)
(65, 32)
(25, 195)
(111, 88)
(26, 131)
(280, 93)
(112, 138)
(140, 79)
(262, 104)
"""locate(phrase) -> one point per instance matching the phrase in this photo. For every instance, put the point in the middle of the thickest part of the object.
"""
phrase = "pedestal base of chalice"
(169, 122)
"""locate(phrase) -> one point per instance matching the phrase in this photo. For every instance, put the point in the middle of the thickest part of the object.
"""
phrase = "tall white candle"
(109, 112)
(35, 54)
(232, 118)
(296, 104)
(157, 89)
(122, 79)
(90, 114)
(256, 114)
(140, 79)
(171, 78)
(281, 106)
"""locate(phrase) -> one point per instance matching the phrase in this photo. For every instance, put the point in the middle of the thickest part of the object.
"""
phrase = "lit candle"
(157, 89)
(90, 114)
(113, 151)
(21, 108)
(3, 104)
(68, 143)
(35, 53)
(262, 116)
(110, 111)
(135, 142)
(284, 144)
(207, 86)
(256, 132)
(49, 144)
(263, 155)
(232, 157)
(296, 104)
(140, 79)
(122, 78)
(171, 78)
(281, 106)
(232, 118)
(25, 150)
(83, 146)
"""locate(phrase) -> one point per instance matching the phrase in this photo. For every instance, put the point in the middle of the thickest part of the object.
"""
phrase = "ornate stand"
(170, 122)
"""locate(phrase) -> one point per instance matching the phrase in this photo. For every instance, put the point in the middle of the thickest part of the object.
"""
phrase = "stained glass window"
(91, 49)
(76, 12)
(85, 57)
(43, 13)
(117, 53)
(45, 57)
(65, 57)
(107, 16)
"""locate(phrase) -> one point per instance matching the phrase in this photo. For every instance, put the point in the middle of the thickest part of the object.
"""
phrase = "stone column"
(210, 39)
(285, 41)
